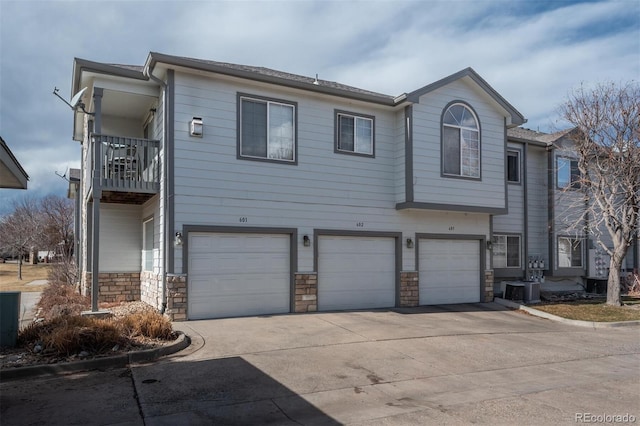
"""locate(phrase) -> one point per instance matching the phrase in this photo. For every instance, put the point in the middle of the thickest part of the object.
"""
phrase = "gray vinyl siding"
(429, 185)
(513, 221)
(325, 190)
(400, 166)
(537, 200)
(152, 209)
(568, 209)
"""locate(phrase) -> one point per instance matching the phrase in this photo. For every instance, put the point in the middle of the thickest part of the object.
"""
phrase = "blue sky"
(532, 52)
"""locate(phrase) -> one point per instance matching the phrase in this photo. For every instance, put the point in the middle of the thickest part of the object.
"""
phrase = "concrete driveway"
(457, 364)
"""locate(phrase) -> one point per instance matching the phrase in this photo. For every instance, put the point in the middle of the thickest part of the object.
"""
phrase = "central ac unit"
(531, 292)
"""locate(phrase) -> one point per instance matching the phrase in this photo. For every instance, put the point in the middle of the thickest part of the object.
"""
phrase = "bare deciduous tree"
(607, 142)
(58, 237)
(57, 213)
(21, 230)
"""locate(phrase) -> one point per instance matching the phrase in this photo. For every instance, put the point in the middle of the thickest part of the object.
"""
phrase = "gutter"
(167, 242)
(155, 58)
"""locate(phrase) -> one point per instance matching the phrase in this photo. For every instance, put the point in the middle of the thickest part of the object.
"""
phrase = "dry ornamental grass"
(62, 334)
(594, 310)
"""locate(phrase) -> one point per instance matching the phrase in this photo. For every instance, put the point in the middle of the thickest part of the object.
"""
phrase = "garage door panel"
(449, 271)
(238, 274)
(356, 272)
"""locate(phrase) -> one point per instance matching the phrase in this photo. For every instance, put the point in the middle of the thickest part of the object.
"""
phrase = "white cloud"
(531, 56)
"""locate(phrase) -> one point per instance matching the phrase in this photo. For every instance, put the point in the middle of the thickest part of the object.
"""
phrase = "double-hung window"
(513, 166)
(567, 173)
(354, 133)
(460, 142)
(569, 252)
(267, 129)
(506, 251)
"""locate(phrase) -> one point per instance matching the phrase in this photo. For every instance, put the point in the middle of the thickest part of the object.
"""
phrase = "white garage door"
(356, 272)
(449, 271)
(237, 274)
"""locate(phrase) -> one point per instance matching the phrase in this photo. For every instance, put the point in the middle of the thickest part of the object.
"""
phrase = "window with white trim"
(354, 133)
(513, 166)
(506, 251)
(569, 252)
(460, 142)
(267, 129)
(148, 244)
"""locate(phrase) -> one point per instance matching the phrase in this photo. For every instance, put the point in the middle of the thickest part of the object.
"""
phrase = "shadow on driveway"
(219, 391)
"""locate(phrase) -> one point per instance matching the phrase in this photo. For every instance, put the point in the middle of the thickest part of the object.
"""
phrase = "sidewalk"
(28, 301)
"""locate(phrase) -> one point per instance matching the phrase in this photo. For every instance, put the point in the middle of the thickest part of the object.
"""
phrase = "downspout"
(167, 233)
(636, 258)
(525, 210)
(77, 248)
(551, 207)
(97, 195)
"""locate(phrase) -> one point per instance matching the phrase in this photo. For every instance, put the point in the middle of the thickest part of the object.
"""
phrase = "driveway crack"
(135, 394)
(346, 329)
(284, 412)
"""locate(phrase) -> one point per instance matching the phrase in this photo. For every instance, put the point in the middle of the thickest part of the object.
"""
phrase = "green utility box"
(9, 317)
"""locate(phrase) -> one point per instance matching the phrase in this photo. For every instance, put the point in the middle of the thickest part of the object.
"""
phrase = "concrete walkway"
(28, 301)
(457, 364)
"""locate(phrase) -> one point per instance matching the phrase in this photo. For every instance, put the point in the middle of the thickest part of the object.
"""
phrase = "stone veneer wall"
(306, 289)
(176, 297)
(488, 286)
(150, 289)
(115, 286)
(409, 289)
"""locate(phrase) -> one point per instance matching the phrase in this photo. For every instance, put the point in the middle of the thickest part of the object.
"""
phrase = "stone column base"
(409, 289)
(306, 292)
(488, 286)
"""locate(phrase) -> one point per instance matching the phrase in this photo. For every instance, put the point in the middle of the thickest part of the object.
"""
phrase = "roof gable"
(516, 117)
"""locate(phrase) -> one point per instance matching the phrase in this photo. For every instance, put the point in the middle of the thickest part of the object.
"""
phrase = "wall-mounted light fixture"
(306, 241)
(196, 127)
(178, 240)
(489, 245)
(409, 243)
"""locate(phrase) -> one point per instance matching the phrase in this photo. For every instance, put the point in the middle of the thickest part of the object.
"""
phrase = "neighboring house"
(211, 189)
(12, 175)
(538, 237)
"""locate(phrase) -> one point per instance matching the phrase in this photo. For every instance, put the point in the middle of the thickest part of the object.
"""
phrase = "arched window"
(460, 142)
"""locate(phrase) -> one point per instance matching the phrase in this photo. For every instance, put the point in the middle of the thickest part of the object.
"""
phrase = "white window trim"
(355, 117)
(268, 102)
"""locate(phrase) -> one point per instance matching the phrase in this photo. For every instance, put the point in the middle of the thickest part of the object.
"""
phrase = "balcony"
(128, 168)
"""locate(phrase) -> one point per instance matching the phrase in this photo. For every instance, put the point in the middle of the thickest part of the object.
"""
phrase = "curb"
(541, 314)
(182, 342)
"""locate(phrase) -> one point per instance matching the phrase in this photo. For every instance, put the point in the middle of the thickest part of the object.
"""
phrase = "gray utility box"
(531, 292)
(9, 317)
